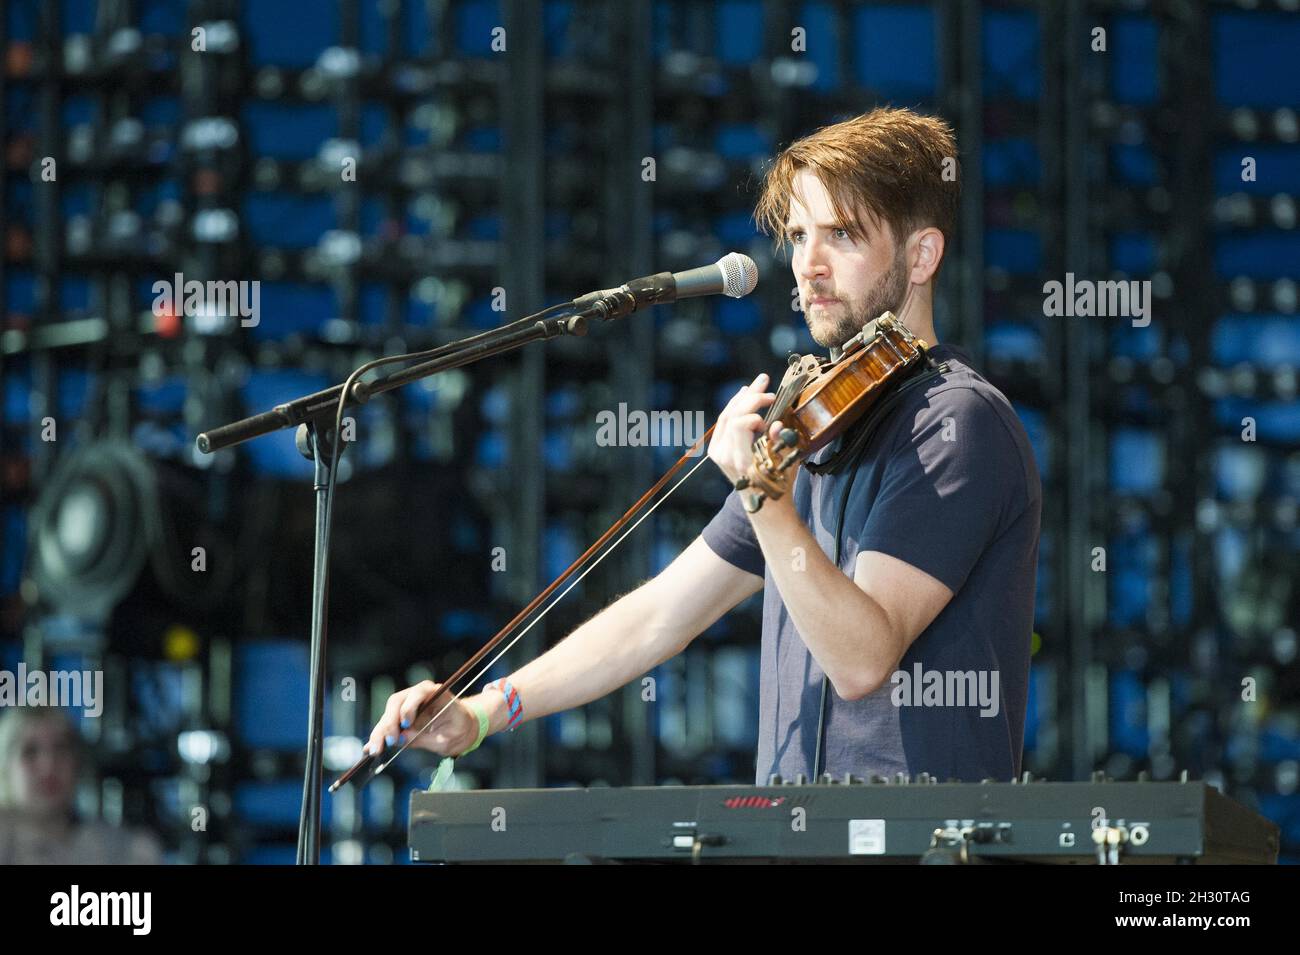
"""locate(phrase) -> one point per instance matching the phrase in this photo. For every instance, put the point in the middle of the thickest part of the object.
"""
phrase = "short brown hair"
(889, 162)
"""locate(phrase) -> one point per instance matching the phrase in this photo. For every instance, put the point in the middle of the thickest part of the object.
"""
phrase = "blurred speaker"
(93, 528)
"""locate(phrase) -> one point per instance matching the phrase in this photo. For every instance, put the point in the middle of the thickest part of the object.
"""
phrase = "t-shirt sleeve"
(946, 488)
(730, 535)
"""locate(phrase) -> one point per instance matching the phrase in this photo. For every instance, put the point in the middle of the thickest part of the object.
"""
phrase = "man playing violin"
(912, 654)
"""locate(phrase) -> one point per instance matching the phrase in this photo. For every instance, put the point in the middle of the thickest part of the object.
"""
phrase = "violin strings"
(785, 397)
(545, 610)
(782, 401)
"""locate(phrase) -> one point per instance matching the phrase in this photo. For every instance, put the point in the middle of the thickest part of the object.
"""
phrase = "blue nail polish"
(390, 740)
(406, 724)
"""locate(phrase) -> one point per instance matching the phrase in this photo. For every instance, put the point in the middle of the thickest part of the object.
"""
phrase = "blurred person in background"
(40, 759)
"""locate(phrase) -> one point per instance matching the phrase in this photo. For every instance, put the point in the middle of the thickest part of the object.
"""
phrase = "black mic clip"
(616, 302)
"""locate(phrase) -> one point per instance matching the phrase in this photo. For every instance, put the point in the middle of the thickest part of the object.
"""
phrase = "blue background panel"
(1255, 58)
(271, 689)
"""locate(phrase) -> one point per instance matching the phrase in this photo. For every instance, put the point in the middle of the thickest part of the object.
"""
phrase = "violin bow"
(368, 762)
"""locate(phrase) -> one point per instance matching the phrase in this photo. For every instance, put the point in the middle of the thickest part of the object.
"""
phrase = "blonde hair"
(898, 166)
(14, 721)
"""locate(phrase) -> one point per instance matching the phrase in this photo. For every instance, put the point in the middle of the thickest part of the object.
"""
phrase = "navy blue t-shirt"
(948, 484)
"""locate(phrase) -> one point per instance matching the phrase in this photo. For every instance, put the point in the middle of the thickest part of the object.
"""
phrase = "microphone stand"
(313, 416)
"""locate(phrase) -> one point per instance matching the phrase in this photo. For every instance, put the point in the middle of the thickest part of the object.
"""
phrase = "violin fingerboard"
(785, 396)
(800, 372)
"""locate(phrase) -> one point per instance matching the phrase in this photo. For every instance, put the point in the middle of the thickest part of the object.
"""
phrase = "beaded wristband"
(514, 705)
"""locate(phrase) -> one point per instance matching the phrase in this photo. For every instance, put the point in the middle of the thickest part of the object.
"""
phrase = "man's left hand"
(732, 444)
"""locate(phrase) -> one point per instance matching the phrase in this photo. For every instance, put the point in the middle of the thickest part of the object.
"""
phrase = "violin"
(818, 400)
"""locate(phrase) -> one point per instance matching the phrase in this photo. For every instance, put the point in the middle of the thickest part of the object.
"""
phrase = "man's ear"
(925, 254)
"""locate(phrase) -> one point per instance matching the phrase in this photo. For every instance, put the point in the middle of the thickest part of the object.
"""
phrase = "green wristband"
(483, 720)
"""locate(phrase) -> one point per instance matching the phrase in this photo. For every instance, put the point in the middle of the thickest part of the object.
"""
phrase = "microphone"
(734, 275)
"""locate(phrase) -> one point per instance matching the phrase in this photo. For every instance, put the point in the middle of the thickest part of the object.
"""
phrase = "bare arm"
(629, 637)
(857, 628)
(635, 633)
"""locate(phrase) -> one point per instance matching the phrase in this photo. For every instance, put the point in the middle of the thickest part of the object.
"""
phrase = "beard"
(837, 323)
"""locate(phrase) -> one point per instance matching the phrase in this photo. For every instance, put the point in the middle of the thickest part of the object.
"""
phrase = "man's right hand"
(452, 733)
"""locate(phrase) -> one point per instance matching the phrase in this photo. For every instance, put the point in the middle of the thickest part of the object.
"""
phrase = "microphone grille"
(739, 274)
